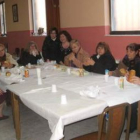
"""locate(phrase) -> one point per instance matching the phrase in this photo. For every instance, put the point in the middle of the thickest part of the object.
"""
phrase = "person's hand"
(47, 60)
(127, 75)
(110, 73)
(135, 80)
(61, 63)
(7, 64)
(1, 92)
(89, 61)
(71, 57)
(34, 52)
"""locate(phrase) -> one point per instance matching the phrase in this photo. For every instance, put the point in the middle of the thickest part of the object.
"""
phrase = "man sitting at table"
(77, 57)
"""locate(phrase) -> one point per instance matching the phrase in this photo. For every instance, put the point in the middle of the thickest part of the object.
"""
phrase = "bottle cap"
(106, 71)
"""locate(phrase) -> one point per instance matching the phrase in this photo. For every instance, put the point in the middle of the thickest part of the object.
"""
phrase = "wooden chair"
(114, 126)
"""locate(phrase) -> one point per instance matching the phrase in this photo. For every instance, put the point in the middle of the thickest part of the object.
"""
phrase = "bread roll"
(123, 71)
(8, 73)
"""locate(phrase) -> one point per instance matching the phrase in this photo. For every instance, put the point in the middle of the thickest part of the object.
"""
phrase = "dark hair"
(103, 45)
(68, 36)
(53, 29)
(17, 51)
(133, 47)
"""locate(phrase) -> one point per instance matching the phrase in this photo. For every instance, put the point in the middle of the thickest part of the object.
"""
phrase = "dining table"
(76, 97)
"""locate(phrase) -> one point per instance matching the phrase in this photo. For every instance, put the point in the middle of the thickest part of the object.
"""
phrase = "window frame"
(4, 19)
(133, 32)
(33, 19)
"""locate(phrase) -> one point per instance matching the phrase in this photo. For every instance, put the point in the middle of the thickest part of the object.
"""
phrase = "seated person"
(6, 59)
(30, 54)
(101, 61)
(50, 48)
(2, 100)
(131, 61)
(77, 57)
(16, 54)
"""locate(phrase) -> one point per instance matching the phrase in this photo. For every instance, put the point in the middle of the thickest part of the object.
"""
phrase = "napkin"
(91, 91)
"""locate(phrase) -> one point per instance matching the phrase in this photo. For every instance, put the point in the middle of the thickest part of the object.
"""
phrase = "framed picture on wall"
(15, 12)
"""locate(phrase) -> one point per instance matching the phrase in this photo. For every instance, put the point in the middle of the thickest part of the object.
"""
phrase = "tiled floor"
(34, 127)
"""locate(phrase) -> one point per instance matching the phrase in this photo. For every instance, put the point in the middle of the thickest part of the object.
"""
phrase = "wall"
(88, 21)
(19, 33)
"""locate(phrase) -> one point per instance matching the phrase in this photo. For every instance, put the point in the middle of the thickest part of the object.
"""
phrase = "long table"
(40, 98)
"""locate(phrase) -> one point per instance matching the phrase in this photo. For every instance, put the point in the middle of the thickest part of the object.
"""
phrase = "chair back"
(116, 120)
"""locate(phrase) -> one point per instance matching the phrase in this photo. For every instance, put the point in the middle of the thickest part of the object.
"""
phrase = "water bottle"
(121, 83)
(38, 62)
(106, 75)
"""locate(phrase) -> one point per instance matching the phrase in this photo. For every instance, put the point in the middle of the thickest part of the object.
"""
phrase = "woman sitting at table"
(6, 59)
(131, 61)
(30, 55)
(50, 47)
(77, 57)
(101, 61)
(64, 48)
(2, 100)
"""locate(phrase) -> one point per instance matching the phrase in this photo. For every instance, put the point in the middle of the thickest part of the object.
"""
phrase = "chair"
(112, 129)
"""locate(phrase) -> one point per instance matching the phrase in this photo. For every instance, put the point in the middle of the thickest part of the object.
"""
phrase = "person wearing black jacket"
(64, 48)
(101, 61)
(50, 48)
(131, 61)
(30, 54)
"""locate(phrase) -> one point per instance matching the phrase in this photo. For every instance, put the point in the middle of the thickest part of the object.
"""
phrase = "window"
(125, 16)
(2, 19)
(39, 16)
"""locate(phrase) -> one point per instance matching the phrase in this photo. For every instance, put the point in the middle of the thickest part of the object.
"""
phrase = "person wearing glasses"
(6, 61)
(50, 48)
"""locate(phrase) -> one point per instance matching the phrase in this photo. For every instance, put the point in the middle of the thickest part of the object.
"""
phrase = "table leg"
(16, 115)
(138, 124)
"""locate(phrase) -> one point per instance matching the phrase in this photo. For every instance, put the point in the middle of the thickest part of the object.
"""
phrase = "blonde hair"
(27, 49)
(74, 41)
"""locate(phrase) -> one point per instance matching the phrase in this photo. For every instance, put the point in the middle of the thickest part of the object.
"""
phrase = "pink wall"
(90, 36)
(20, 39)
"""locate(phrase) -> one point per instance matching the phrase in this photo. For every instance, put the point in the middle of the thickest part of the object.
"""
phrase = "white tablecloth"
(40, 99)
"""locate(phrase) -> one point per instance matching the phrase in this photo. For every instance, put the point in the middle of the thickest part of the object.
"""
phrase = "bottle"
(26, 72)
(121, 83)
(38, 62)
(106, 75)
